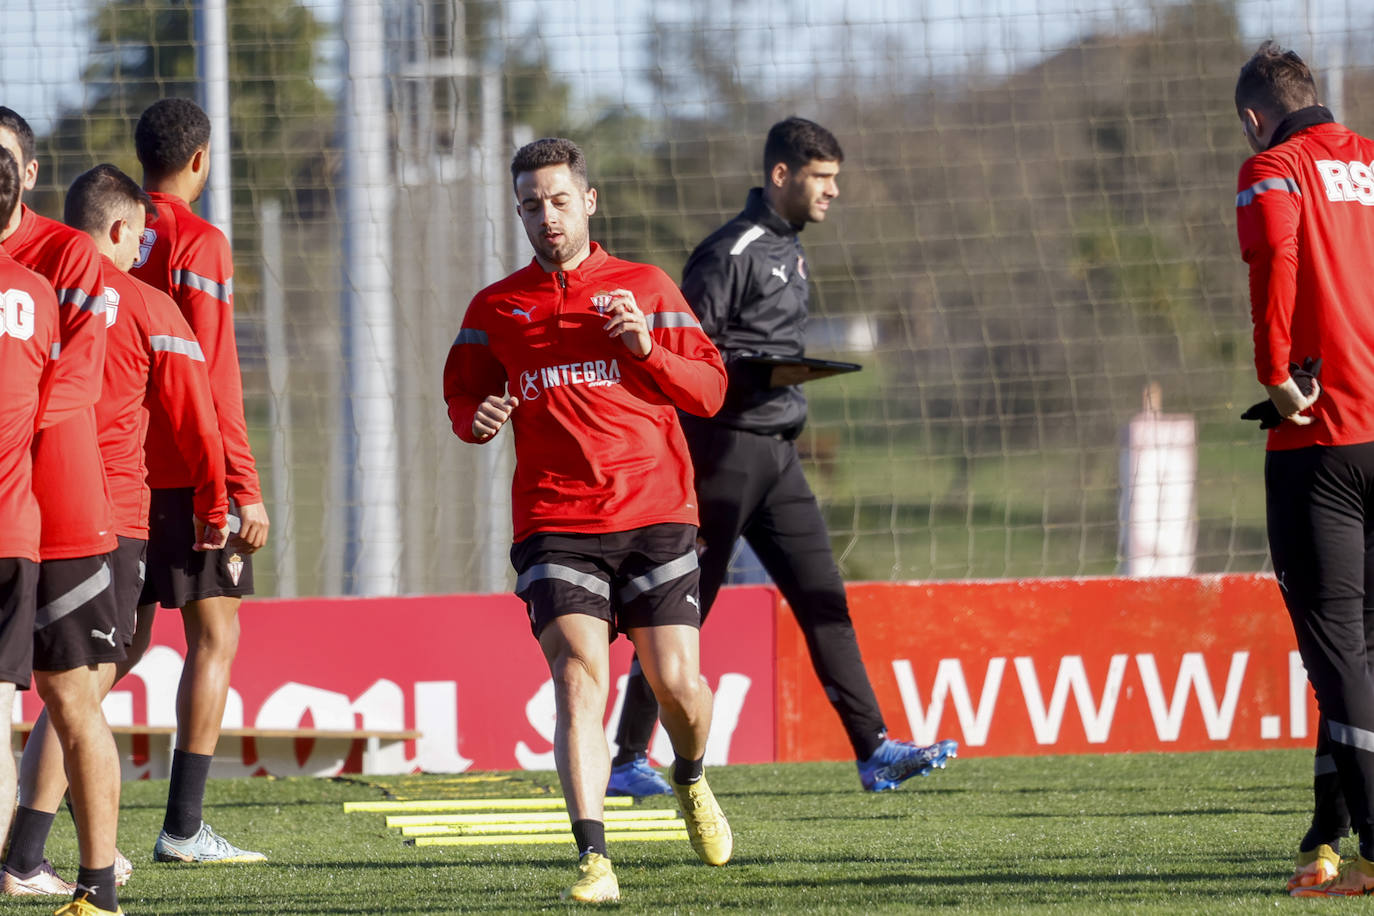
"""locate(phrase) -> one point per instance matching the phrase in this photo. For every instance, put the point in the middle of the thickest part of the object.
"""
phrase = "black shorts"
(77, 621)
(18, 600)
(177, 573)
(128, 563)
(644, 577)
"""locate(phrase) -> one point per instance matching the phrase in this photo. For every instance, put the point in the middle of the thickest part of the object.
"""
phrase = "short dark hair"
(550, 151)
(11, 182)
(13, 122)
(101, 195)
(168, 134)
(797, 141)
(1275, 81)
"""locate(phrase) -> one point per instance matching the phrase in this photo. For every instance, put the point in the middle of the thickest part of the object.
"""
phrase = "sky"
(597, 43)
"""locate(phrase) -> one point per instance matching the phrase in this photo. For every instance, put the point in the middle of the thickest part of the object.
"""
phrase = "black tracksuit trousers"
(752, 485)
(1320, 506)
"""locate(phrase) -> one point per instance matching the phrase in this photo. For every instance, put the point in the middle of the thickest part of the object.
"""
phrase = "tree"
(282, 123)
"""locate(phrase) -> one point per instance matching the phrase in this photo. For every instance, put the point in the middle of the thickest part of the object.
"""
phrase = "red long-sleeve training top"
(29, 341)
(189, 259)
(68, 478)
(598, 446)
(1305, 218)
(151, 355)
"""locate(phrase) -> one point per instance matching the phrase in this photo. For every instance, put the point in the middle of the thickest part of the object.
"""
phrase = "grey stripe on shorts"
(58, 608)
(598, 587)
(659, 575)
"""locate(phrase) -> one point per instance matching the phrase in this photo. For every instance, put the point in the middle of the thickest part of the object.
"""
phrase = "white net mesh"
(1035, 228)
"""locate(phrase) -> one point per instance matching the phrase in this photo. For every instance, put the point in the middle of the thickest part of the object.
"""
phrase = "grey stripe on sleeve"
(1269, 184)
(221, 291)
(82, 300)
(470, 336)
(166, 343)
(670, 320)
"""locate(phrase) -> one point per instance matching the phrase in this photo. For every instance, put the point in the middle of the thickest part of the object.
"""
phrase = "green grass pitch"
(1176, 833)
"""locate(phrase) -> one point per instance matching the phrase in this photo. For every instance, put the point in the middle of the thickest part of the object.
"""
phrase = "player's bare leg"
(670, 657)
(72, 700)
(43, 783)
(212, 640)
(7, 771)
(138, 646)
(578, 652)
(42, 774)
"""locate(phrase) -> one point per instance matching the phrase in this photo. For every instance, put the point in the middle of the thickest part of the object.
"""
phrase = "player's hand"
(492, 414)
(253, 525)
(628, 323)
(208, 537)
(1287, 401)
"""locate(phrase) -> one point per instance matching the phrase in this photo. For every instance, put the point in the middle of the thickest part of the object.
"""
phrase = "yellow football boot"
(707, 827)
(596, 881)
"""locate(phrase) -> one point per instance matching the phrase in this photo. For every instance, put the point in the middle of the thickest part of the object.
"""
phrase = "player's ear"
(117, 230)
(200, 159)
(591, 201)
(778, 174)
(31, 175)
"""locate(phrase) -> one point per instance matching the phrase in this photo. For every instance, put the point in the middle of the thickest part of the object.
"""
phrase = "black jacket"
(747, 284)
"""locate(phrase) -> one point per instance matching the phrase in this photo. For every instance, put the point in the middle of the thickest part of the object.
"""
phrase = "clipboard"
(794, 370)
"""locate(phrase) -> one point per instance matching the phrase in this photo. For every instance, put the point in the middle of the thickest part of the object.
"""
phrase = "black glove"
(1304, 376)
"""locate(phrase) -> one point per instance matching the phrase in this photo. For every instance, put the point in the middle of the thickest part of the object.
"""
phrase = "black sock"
(624, 756)
(590, 836)
(1316, 837)
(27, 839)
(1367, 843)
(97, 885)
(865, 745)
(686, 772)
(186, 794)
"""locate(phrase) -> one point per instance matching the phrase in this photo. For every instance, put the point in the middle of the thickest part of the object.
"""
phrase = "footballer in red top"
(29, 359)
(75, 632)
(189, 259)
(68, 479)
(589, 358)
(1305, 219)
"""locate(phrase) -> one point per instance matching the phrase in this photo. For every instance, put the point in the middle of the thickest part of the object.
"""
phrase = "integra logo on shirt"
(592, 373)
(1347, 181)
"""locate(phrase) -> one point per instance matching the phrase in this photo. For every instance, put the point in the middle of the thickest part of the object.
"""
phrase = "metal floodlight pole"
(212, 71)
(492, 222)
(373, 530)
(279, 406)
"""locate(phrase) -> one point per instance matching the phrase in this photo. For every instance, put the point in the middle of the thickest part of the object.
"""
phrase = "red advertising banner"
(1042, 666)
(1063, 666)
(463, 670)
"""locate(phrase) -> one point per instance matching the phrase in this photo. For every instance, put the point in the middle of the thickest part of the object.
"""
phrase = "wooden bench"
(374, 738)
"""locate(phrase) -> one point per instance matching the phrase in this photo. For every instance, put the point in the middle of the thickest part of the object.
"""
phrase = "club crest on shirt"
(601, 302)
(145, 245)
(235, 566)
